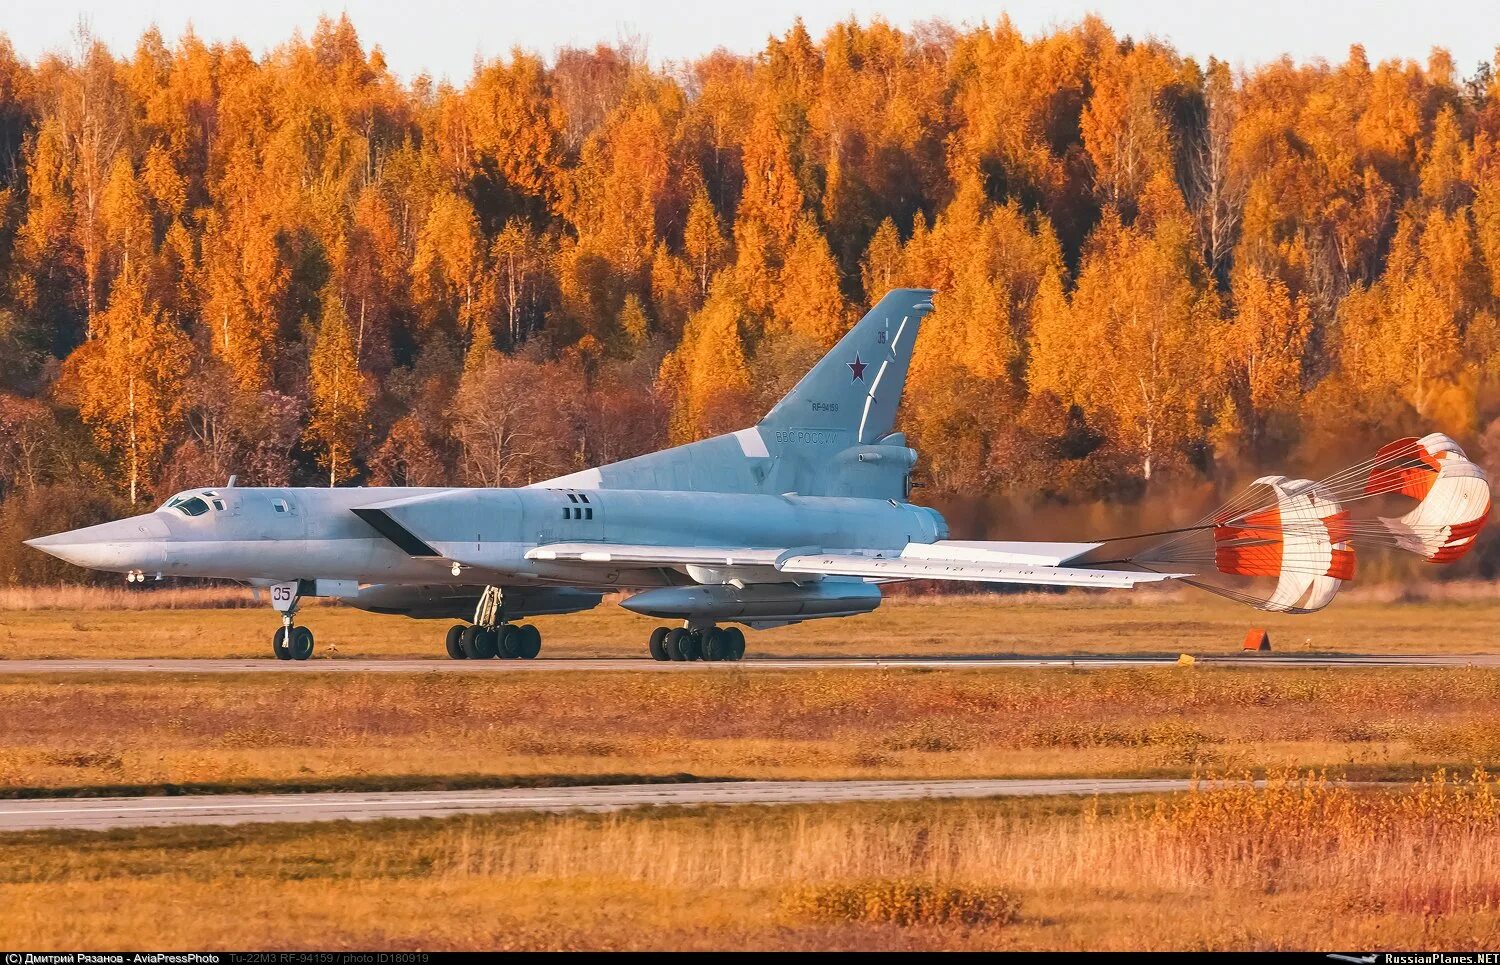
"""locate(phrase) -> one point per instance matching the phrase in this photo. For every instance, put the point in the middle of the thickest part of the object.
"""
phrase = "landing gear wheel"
(691, 645)
(672, 643)
(716, 645)
(279, 645)
(455, 642)
(507, 641)
(302, 643)
(477, 643)
(658, 650)
(528, 642)
(735, 643)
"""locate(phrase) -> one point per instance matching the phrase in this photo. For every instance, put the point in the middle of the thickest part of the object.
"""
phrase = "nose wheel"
(290, 642)
(709, 643)
(300, 646)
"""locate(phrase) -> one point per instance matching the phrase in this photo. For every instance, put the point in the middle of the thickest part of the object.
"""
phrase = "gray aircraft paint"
(811, 442)
(491, 531)
(819, 484)
(448, 602)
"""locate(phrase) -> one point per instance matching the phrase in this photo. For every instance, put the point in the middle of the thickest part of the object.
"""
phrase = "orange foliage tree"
(1148, 268)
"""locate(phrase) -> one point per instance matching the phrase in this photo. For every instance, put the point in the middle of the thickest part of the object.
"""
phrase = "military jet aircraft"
(801, 516)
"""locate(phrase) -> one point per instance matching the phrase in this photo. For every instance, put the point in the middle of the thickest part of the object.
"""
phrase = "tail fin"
(815, 441)
(856, 388)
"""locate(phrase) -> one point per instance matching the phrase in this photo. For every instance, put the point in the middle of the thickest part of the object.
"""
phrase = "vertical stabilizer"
(830, 436)
(856, 388)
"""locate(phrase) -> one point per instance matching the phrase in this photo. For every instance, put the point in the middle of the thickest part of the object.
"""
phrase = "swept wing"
(1040, 564)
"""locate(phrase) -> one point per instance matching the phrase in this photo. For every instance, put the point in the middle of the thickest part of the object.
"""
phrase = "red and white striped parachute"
(1302, 540)
(1452, 493)
(1288, 545)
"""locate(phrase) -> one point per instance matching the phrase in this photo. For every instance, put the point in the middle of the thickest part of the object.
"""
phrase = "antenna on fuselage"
(233, 478)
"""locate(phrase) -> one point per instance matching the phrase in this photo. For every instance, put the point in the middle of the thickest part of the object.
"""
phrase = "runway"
(102, 814)
(644, 665)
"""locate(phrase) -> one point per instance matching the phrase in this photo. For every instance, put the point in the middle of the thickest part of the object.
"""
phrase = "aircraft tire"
(507, 641)
(455, 642)
(528, 642)
(470, 640)
(691, 645)
(302, 643)
(672, 644)
(278, 645)
(716, 645)
(735, 643)
(658, 652)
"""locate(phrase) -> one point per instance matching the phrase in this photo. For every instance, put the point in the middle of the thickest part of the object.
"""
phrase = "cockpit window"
(192, 506)
(194, 503)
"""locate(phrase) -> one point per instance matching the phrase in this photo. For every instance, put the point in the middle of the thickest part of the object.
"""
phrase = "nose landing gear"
(291, 642)
(301, 647)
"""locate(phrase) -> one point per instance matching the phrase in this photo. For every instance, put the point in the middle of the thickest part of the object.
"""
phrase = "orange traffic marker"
(1257, 639)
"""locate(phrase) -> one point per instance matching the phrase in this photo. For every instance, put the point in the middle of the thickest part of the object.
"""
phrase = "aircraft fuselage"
(276, 535)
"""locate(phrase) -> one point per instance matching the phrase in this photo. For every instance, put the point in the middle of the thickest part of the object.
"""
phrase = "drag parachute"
(1452, 494)
(1301, 540)
(1288, 545)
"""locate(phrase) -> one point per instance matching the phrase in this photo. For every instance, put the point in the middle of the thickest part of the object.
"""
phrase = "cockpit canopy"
(195, 502)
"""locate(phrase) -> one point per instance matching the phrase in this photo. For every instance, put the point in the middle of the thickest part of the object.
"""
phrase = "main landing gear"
(491, 635)
(697, 643)
(506, 640)
(291, 642)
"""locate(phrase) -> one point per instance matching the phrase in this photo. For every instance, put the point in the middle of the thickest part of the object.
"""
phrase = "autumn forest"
(1156, 276)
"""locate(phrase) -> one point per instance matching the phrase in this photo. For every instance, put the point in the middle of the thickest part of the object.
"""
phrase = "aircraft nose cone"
(124, 544)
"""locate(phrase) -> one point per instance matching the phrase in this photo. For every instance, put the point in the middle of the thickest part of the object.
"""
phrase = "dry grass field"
(411, 730)
(1299, 864)
(1081, 622)
(124, 597)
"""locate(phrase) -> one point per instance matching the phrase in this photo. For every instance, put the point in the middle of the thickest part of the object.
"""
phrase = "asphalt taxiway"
(102, 814)
(645, 665)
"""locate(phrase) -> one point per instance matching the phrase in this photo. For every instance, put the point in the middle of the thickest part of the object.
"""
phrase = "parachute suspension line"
(1248, 599)
(1346, 485)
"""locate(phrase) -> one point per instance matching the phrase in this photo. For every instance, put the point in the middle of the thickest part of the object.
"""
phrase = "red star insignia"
(858, 367)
